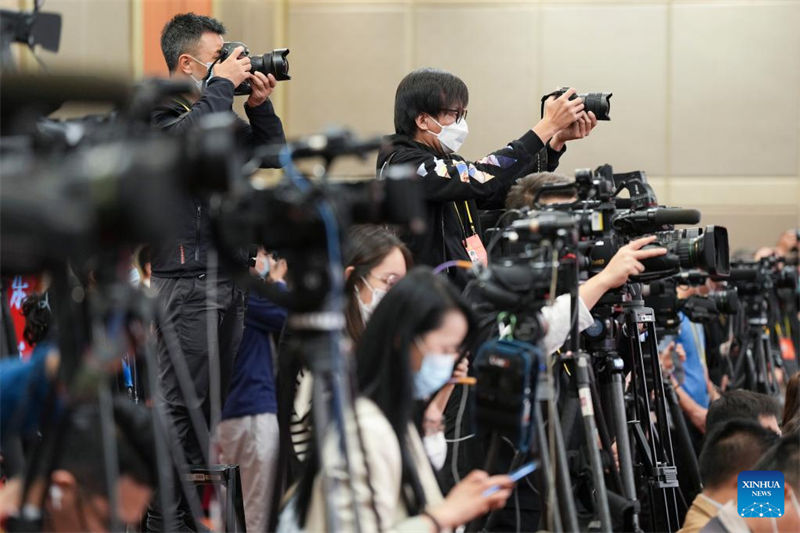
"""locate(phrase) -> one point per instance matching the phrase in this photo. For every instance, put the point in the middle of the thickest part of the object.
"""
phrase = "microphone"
(660, 216)
(545, 223)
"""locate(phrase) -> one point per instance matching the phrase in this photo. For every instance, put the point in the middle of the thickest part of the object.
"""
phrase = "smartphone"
(515, 476)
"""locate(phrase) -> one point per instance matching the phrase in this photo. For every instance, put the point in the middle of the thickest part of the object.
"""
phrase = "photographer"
(430, 115)
(180, 270)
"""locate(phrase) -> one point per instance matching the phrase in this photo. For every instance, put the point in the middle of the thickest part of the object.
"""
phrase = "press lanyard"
(469, 217)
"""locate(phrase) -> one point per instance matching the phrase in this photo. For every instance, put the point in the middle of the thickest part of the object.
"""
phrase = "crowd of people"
(411, 334)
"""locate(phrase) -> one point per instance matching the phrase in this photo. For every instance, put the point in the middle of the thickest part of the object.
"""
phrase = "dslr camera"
(274, 63)
(597, 103)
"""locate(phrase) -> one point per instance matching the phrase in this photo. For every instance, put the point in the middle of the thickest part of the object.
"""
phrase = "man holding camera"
(191, 302)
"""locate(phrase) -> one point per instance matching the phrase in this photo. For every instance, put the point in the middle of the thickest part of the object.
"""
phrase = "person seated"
(407, 353)
(745, 404)
(783, 456)
(730, 448)
(76, 492)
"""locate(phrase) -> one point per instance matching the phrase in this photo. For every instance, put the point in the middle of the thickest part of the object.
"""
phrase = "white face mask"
(201, 84)
(436, 449)
(367, 309)
(452, 136)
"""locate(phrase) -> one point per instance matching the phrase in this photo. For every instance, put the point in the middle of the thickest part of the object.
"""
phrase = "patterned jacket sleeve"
(446, 179)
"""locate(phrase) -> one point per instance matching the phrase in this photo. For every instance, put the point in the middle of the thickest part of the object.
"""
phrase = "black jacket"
(455, 189)
(186, 255)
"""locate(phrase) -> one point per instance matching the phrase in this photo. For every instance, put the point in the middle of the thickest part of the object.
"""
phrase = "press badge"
(475, 250)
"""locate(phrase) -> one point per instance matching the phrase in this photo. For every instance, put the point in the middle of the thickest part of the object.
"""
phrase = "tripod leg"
(564, 481)
(623, 443)
(549, 476)
(590, 431)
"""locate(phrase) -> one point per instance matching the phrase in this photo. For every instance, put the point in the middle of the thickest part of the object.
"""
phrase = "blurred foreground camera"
(274, 63)
(597, 103)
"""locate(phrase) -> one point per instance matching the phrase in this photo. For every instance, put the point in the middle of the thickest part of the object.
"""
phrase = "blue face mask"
(434, 372)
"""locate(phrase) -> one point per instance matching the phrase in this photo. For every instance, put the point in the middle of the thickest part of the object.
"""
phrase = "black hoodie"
(455, 189)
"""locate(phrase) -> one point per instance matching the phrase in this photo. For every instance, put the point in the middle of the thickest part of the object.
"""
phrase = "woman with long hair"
(375, 259)
(407, 352)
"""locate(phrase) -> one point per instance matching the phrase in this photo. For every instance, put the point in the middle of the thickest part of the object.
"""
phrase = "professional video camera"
(606, 222)
(662, 297)
(274, 63)
(517, 286)
(597, 103)
(760, 277)
(767, 288)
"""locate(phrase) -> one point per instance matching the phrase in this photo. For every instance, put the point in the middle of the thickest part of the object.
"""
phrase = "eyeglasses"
(390, 280)
(461, 114)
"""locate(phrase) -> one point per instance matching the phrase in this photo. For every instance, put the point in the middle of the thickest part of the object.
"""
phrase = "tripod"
(652, 439)
(754, 366)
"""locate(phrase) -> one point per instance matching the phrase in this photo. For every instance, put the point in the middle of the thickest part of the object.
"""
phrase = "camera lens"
(274, 63)
(597, 103)
(727, 301)
(707, 250)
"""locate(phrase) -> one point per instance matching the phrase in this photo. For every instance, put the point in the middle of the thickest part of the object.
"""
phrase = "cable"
(467, 265)
(462, 439)
(457, 440)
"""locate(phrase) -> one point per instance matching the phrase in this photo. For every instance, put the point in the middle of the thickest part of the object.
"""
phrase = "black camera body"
(274, 63)
(597, 103)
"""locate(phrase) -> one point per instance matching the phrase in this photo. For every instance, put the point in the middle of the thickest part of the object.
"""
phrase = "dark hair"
(82, 449)
(791, 404)
(740, 404)
(38, 317)
(521, 194)
(415, 306)
(426, 90)
(784, 456)
(182, 34)
(732, 447)
(365, 248)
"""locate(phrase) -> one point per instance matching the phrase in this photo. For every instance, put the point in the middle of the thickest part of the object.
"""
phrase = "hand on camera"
(234, 68)
(262, 86)
(577, 130)
(626, 262)
(559, 113)
(466, 501)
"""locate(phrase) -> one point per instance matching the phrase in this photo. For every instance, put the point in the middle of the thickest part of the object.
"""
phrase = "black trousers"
(187, 311)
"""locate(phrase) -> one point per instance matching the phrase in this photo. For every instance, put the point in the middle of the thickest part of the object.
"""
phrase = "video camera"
(662, 297)
(606, 222)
